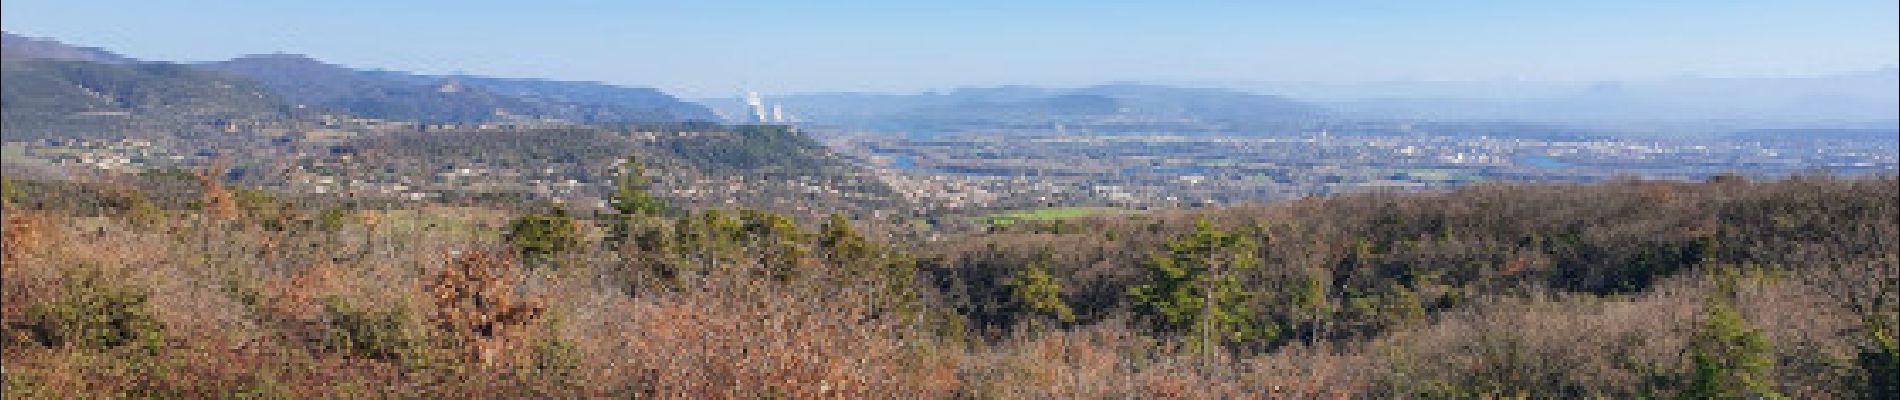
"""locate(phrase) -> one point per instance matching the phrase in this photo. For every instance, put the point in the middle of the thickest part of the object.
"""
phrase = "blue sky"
(712, 48)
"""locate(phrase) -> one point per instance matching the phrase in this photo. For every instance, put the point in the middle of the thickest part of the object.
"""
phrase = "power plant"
(756, 105)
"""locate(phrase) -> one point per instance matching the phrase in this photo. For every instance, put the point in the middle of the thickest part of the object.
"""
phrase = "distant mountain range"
(1857, 100)
(1846, 100)
(1105, 108)
(51, 84)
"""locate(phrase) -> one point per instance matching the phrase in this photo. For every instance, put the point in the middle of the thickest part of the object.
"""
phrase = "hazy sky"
(712, 47)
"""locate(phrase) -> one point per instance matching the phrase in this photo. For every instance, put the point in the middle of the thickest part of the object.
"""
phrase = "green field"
(14, 152)
(1045, 214)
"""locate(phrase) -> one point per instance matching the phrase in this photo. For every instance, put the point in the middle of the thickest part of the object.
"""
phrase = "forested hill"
(319, 86)
(77, 99)
(456, 99)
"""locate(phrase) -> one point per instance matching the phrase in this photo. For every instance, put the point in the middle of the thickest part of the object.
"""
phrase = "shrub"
(539, 236)
(476, 308)
(92, 314)
(134, 205)
(374, 334)
(8, 191)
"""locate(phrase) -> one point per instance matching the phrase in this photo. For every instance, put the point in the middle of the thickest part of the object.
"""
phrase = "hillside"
(301, 80)
(297, 125)
(58, 91)
(1627, 289)
(77, 99)
(456, 99)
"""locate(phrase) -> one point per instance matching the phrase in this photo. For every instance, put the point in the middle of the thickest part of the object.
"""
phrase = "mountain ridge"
(396, 95)
(427, 98)
(18, 47)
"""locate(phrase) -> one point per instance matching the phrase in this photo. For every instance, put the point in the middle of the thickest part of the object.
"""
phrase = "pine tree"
(1881, 362)
(844, 248)
(1730, 360)
(1034, 291)
(631, 202)
(1310, 301)
(541, 236)
(631, 195)
(775, 240)
(1193, 289)
(853, 260)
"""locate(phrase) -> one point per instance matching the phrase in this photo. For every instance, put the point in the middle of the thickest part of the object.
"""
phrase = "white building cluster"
(759, 112)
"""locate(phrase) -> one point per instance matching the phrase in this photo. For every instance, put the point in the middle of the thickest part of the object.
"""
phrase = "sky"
(709, 48)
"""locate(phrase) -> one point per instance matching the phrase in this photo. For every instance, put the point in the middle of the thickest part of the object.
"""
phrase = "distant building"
(756, 105)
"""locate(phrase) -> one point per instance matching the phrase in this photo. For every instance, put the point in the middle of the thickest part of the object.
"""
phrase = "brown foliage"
(477, 308)
(21, 279)
(743, 336)
(22, 232)
(217, 200)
